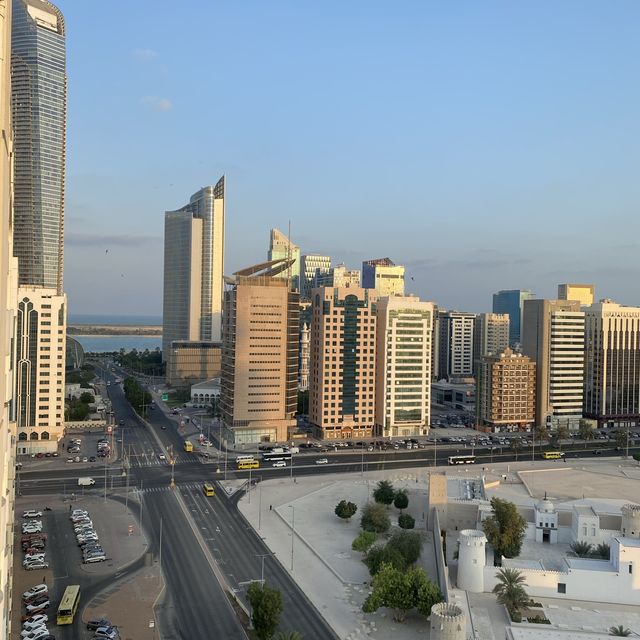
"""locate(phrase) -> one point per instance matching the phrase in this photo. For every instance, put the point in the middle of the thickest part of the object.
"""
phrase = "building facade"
(505, 395)
(383, 275)
(511, 302)
(193, 269)
(314, 272)
(403, 366)
(305, 358)
(8, 304)
(612, 364)
(341, 277)
(583, 293)
(259, 384)
(191, 362)
(455, 343)
(553, 336)
(491, 334)
(343, 362)
(281, 248)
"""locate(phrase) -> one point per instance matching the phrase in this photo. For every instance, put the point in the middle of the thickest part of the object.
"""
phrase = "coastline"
(113, 330)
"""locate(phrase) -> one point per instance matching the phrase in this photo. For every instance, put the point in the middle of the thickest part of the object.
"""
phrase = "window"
(562, 587)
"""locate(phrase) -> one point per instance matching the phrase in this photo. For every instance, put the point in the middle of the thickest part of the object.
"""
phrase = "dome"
(546, 506)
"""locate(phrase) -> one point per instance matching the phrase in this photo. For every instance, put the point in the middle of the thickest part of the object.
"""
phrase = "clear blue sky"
(485, 145)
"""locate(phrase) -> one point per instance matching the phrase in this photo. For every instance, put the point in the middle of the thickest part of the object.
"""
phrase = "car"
(69, 459)
(322, 461)
(208, 443)
(36, 634)
(97, 558)
(32, 513)
(164, 427)
(36, 557)
(32, 566)
(36, 621)
(96, 623)
(33, 528)
(279, 463)
(25, 633)
(161, 456)
(85, 459)
(39, 589)
(92, 459)
(108, 633)
(37, 608)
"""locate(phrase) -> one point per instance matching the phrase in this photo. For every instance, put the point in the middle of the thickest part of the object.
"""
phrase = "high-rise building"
(314, 271)
(455, 343)
(39, 110)
(383, 275)
(403, 366)
(193, 269)
(8, 303)
(553, 336)
(343, 362)
(191, 362)
(583, 293)
(305, 358)
(612, 364)
(259, 384)
(491, 335)
(510, 302)
(281, 248)
(505, 393)
(341, 277)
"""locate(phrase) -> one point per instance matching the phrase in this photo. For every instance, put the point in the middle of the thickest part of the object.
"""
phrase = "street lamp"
(262, 556)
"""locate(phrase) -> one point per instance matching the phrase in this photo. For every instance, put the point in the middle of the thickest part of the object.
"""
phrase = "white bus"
(462, 459)
(242, 458)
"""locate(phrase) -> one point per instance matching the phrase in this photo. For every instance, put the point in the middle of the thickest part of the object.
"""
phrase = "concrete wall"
(441, 568)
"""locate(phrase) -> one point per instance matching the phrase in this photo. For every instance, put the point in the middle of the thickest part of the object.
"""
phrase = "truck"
(86, 482)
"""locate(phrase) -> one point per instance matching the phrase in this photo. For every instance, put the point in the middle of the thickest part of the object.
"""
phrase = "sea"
(103, 344)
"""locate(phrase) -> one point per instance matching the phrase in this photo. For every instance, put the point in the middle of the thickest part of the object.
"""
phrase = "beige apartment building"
(403, 366)
(583, 293)
(8, 304)
(612, 364)
(190, 362)
(553, 337)
(491, 335)
(341, 276)
(505, 394)
(259, 382)
(343, 362)
(383, 275)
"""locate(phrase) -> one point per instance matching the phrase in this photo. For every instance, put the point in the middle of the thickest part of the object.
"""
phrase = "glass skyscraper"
(511, 302)
(39, 105)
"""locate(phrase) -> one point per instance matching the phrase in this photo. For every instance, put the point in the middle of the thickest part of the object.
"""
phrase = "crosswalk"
(185, 488)
(154, 461)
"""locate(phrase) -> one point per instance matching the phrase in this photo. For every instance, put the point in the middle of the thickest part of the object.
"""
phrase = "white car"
(208, 443)
(32, 513)
(33, 608)
(279, 463)
(26, 633)
(322, 461)
(35, 634)
(32, 529)
(37, 621)
(162, 457)
(35, 591)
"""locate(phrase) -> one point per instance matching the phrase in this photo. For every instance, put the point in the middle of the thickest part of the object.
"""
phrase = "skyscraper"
(39, 105)
(403, 366)
(491, 335)
(553, 336)
(612, 364)
(455, 343)
(8, 303)
(259, 385)
(193, 269)
(583, 293)
(340, 276)
(314, 271)
(343, 362)
(281, 248)
(383, 275)
(511, 301)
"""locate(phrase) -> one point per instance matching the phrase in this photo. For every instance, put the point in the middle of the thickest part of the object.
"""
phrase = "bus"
(249, 464)
(271, 456)
(69, 604)
(242, 457)
(462, 459)
(208, 490)
(552, 455)
(188, 446)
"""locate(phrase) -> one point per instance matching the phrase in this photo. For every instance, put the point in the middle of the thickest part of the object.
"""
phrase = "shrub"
(345, 509)
(401, 500)
(380, 555)
(405, 521)
(363, 541)
(374, 518)
(384, 492)
(409, 543)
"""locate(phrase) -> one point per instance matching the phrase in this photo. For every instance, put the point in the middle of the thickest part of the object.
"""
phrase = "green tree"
(602, 550)
(401, 500)
(560, 434)
(409, 543)
(621, 439)
(581, 549)
(87, 398)
(540, 433)
(405, 521)
(504, 528)
(345, 510)
(510, 589)
(401, 591)
(266, 607)
(375, 518)
(384, 492)
(515, 445)
(619, 631)
(363, 541)
(586, 430)
(380, 555)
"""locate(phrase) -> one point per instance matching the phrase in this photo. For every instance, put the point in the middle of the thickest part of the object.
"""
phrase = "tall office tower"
(583, 293)
(505, 391)
(8, 303)
(314, 271)
(455, 343)
(553, 336)
(511, 301)
(612, 364)
(193, 264)
(343, 362)
(383, 275)
(403, 366)
(39, 109)
(281, 248)
(491, 335)
(259, 386)
(305, 358)
(340, 277)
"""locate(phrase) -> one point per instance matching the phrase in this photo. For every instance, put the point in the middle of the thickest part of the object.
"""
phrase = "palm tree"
(287, 635)
(619, 631)
(515, 445)
(581, 549)
(510, 589)
(602, 550)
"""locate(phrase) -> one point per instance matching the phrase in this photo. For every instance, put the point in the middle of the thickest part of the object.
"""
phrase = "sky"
(484, 145)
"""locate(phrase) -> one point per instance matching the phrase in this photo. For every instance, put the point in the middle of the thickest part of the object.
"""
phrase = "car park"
(32, 513)
(38, 590)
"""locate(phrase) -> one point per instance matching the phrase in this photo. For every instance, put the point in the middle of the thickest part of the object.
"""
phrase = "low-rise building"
(455, 395)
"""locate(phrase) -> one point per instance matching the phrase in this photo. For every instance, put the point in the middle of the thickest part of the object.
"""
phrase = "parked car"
(32, 566)
(96, 623)
(106, 633)
(36, 621)
(36, 634)
(32, 527)
(32, 513)
(37, 608)
(39, 589)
